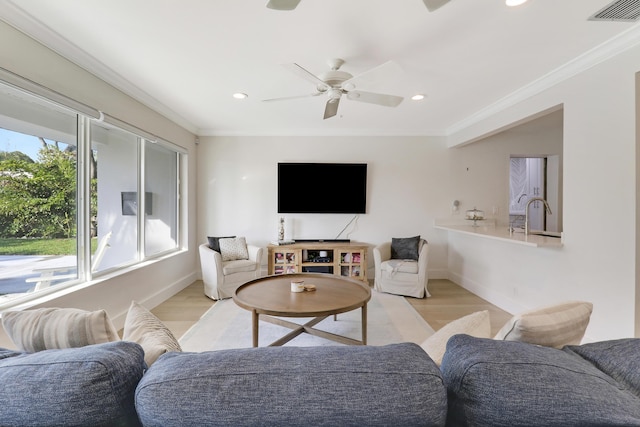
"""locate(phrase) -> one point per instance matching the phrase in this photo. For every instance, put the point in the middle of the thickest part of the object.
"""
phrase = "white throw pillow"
(476, 324)
(233, 249)
(143, 327)
(56, 328)
(553, 326)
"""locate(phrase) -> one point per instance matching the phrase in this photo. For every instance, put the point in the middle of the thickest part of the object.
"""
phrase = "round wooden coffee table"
(271, 296)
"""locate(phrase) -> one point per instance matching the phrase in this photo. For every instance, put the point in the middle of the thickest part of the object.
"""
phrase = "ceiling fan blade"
(291, 97)
(307, 75)
(375, 98)
(331, 109)
(434, 4)
(283, 4)
(388, 71)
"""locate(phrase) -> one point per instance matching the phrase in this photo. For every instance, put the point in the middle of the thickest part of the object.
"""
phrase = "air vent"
(619, 10)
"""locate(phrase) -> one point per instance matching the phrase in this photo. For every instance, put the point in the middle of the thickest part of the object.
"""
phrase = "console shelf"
(343, 259)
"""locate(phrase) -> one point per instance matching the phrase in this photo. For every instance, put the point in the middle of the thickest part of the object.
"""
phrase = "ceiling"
(185, 58)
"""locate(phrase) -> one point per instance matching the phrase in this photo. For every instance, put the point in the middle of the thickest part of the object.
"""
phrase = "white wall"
(413, 181)
(155, 282)
(407, 189)
(597, 261)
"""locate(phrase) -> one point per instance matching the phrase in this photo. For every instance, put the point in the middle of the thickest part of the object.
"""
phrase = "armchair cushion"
(214, 242)
(400, 266)
(238, 266)
(56, 328)
(405, 247)
(233, 249)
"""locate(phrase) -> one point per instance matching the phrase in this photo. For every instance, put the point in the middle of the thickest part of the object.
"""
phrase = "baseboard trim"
(160, 296)
(496, 298)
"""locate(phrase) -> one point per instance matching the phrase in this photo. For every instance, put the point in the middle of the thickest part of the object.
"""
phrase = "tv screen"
(322, 188)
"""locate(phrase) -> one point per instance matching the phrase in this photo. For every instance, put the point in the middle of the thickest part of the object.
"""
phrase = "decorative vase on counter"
(475, 215)
(281, 229)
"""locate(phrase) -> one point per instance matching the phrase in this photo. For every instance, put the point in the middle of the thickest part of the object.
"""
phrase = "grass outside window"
(41, 246)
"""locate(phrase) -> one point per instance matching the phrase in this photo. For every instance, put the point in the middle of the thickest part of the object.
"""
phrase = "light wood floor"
(448, 302)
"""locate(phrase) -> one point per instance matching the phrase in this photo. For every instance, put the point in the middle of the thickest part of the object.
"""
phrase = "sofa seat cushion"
(394, 266)
(281, 386)
(506, 383)
(238, 266)
(86, 386)
(617, 358)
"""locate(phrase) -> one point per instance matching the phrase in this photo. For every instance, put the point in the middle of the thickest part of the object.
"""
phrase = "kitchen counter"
(488, 230)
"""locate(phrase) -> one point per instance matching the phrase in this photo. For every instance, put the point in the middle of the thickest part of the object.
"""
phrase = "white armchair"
(401, 277)
(222, 278)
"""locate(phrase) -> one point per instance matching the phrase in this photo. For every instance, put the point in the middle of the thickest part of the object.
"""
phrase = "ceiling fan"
(335, 83)
(291, 4)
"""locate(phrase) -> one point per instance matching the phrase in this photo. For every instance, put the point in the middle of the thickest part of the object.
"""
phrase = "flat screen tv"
(339, 188)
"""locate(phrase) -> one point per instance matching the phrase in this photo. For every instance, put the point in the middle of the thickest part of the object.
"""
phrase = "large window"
(160, 177)
(79, 197)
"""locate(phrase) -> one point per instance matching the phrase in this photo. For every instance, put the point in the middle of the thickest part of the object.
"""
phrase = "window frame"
(85, 116)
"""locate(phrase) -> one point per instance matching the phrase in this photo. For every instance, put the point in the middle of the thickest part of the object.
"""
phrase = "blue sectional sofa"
(481, 382)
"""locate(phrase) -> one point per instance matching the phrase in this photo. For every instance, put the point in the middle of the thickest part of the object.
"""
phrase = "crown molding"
(587, 60)
(16, 17)
(13, 15)
(324, 132)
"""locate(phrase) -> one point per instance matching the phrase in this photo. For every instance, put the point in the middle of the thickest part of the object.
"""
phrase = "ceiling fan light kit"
(292, 4)
(513, 3)
(283, 4)
(336, 83)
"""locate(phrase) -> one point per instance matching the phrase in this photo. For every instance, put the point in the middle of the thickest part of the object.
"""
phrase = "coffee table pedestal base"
(298, 329)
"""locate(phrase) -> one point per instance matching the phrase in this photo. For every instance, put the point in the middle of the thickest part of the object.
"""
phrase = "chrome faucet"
(526, 211)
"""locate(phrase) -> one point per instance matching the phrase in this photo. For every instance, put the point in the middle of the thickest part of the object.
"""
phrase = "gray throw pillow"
(214, 242)
(405, 247)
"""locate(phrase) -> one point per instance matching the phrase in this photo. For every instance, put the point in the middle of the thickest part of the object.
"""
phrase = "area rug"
(390, 319)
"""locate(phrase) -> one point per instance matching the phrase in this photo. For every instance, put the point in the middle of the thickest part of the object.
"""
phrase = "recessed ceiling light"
(514, 2)
(417, 97)
(240, 95)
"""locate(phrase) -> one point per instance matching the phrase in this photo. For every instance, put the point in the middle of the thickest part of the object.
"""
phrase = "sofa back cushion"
(86, 386)
(389, 385)
(504, 383)
(617, 358)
